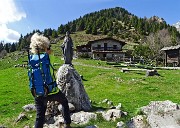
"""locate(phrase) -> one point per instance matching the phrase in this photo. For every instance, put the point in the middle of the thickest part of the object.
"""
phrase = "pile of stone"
(158, 114)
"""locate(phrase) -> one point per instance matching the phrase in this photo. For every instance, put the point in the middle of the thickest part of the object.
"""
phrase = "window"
(114, 46)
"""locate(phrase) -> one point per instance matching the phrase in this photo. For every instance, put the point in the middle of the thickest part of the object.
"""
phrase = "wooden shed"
(172, 55)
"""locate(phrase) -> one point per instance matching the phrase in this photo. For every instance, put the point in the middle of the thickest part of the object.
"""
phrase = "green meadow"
(101, 81)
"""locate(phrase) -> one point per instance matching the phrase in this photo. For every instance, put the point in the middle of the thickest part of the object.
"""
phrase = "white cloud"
(9, 13)
(8, 35)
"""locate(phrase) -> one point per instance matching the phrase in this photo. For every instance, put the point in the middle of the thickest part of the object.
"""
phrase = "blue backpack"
(41, 82)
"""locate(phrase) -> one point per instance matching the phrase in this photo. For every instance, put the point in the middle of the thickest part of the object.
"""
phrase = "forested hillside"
(151, 33)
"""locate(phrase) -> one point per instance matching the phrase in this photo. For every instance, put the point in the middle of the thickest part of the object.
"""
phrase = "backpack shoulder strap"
(53, 69)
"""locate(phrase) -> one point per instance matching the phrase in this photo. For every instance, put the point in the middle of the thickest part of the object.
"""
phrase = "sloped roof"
(92, 41)
(170, 48)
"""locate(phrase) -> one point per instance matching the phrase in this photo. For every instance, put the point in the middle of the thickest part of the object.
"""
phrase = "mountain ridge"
(177, 25)
(118, 23)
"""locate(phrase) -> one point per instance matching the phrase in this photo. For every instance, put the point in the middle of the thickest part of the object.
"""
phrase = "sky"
(23, 16)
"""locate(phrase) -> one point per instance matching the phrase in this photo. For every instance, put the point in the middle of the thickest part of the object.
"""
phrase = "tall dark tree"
(1, 47)
(61, 29)
(54, 33)
(13, 47)
(66, 28)
(7, 47)
(19, 43)
(80, 25)
(94, 30)
(89, 29)
(48, 32)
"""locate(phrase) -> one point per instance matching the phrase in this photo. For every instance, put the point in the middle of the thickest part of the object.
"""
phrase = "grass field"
(102, 81)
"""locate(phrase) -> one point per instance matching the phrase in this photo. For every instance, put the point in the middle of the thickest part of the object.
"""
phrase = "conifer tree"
(13, 47)
(61, 29)
(54, 33)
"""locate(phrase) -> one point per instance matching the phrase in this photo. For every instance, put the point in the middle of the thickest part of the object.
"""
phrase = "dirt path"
(101, 67)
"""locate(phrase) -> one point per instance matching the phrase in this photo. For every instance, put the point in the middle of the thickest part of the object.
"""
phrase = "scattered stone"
(83, 117)
(105, 101)
(124, 113)
(138, 122)
(110, 103)
(93, 126)
(71, 107)
(152, 73)
(100, 111)
(29, 107)
(158, 114)
(21, 116)
(159, 107)
(112, 114)
(120, 124)
(119, 106)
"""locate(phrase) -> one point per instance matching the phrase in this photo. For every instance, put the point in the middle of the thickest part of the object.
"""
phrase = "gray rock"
(138, 121)
(112, 114)
(151, 73)
(70, 83)
(29, 107)
(119, 106)
(158, 114)
(82, 117)
(93, 126)
(120, 124)
(105, 101)
(159, 107)
(71, 107)
(21, 116)
(165, 120)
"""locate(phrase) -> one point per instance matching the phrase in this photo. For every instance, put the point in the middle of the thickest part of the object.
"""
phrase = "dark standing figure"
(41, 99)
(67, 48)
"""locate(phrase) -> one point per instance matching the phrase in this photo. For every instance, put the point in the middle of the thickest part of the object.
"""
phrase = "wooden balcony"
(105, 49)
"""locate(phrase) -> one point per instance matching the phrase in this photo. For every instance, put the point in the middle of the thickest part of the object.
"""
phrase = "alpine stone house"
(103, 49)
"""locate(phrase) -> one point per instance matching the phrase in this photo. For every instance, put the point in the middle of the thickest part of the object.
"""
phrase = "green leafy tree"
(142, 50)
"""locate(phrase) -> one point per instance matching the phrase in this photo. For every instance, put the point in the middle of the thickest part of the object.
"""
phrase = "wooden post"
(165, 59)
(178, 58)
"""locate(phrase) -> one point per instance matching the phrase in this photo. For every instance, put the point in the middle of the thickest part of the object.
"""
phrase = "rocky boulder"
(158, 114)
(70, 83)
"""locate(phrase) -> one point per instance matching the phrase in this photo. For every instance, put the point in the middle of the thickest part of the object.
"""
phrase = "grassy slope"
(131, 89)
